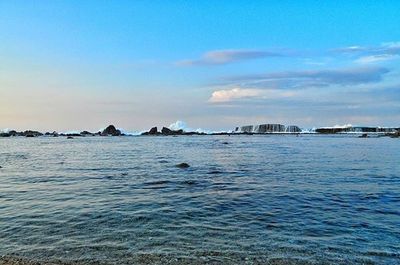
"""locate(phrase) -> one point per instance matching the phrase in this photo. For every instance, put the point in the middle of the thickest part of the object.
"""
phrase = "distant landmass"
(280, 128)
(267, 128)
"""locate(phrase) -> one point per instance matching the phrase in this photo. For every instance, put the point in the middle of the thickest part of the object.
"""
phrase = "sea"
(245, 199)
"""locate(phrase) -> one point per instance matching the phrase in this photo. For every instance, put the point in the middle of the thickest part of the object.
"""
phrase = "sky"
(75, 65)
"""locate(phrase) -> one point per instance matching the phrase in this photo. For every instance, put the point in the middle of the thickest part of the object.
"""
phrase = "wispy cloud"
(310, 78)
(220, 57)
(358, 53)
(377, 58)
(372, 54)
(350, 49)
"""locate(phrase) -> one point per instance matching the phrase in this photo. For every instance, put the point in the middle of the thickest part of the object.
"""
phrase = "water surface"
(245, 199)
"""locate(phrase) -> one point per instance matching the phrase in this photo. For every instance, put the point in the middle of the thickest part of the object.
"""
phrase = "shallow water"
(246, 199)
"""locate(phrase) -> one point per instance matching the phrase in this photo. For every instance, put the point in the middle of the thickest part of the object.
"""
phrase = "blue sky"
(71, 65)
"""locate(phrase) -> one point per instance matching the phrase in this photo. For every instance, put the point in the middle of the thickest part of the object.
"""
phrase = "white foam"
(181, 125)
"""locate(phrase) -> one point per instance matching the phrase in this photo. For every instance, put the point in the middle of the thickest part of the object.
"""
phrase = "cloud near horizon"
(221, 57)
(234, 94)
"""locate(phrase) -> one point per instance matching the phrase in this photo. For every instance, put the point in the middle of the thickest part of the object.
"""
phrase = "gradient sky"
(74, 65)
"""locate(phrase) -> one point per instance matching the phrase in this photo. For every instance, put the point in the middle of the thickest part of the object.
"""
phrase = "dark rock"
(395, 135)
(86, 133)
(14, 133)
(54, 134)
(166, 131)
(153, 131)
(364, 135)
(5, 135)
(194, 133)
(329, 130)
(183, 165)
(111, 130)
(70, 137)
(30, 133)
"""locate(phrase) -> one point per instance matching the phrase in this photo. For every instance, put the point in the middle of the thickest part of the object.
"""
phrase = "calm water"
(245, 199)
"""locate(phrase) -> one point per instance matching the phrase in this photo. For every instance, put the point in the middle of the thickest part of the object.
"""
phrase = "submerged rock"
(183, 165)
(70, 137)
(111, 130)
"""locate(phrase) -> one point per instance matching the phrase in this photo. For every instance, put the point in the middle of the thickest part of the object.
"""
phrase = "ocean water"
(244, 199)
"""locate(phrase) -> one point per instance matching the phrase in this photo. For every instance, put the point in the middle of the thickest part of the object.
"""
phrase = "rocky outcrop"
(153, 131)
(111, 131)
(329, 130)
(268, 128)
(167, 131)
(5, 134)
(30, 133)
(86, 133)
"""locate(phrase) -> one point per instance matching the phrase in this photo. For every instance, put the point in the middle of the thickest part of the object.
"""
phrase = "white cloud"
(227, 95)
(376, 58)
(234, 94)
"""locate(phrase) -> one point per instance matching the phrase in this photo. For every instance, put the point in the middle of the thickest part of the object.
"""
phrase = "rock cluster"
(27, 133)
(109, 131)
(166, 131)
